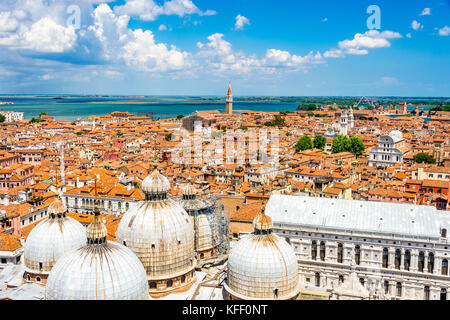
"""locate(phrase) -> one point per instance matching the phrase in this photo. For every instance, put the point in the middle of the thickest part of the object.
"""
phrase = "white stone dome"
(262, 266)
(155, 183)
(397, 134)
(108, 271)
(159, 232)
(162, 236)
(51, 238)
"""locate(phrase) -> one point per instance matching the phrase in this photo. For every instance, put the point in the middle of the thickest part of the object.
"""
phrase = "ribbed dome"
(156, 184)
(100, 270)
(162, 236)
(108, 271)
(188, 190)
(262, 265)
(51, 238)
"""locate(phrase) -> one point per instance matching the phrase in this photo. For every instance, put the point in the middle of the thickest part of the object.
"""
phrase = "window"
(317, 276)
(430, 262)
(385, 263)
(443, 294)
(407, 260)
(386, 287)
(340, 253)
(169, 283)
(444, 233)
(314, 250)
(341, 278)
(398, 258)
(322, 251)
(427, 292)
(399, 289)
(357, 255)
(361, 280)
(444, 267)
(3, 260)
(152, 285)
(421, 261)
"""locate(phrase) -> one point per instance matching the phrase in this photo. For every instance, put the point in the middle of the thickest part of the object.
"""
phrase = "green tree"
(304, 143)
(169, 136)
(245, 128)
(180, 116)
(356, 146)
(319, 142)
(307, 107)
(423, 157)
(79, 133)
(340, 144)
(35, 120)
(2, 118)
(42, 114)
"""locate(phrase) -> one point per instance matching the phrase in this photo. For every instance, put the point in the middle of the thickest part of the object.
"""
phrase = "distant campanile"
(229, 100)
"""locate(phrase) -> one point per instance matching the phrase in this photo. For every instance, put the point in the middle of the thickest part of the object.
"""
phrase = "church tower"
(229, 100)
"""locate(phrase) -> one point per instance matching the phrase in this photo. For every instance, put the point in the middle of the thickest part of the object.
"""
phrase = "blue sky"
(195, 47)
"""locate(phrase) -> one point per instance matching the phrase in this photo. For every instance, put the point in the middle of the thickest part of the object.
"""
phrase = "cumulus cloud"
(136, 48)
(162, 27)
(369, 40)
(334, 53)
(425, 12)
(48, 36)
(416, 25)
(445, 31)
(220, 57)
(149, 10)
(241, 21)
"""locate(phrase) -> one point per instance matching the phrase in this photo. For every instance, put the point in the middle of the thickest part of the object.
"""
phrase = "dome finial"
(57, 209)
(96, 232)
(262, 222)
(155, 186)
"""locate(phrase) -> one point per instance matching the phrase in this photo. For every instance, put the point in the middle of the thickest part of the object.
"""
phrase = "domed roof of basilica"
(159, 231)
(262, 265)
(51, 238)
(100, 270)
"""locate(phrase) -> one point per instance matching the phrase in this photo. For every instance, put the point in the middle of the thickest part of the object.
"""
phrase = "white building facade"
(401, 249)
(390, 150)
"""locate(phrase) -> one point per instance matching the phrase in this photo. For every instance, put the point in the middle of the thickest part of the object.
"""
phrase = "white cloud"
(149, 10)
(241, 21)
(408, 35)
(425, 12)
(162, 27)
(218, 56)
(369, 40)
(325, 19)
(48, 36)
(390, 80)
(136, 48)
(7, 22)
(416, 25)
(334, 53)
(46, 77)
(445, 31)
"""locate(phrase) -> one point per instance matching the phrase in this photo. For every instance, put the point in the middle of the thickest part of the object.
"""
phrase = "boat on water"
(6, 102)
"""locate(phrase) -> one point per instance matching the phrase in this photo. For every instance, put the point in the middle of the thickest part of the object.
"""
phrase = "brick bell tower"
(229, 100)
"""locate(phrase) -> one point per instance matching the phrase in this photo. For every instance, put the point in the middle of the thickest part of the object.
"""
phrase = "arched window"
(322, 251)
(152, 285)
(169, 283)
(340, 256)
(385, 257)
(183, 278)
(421, 261)
(275, 293)
(202, 255)
(28, 277)
(40, 265)
(341, 278)
(361, 280)
(386, 287)
(445, 267)
(357, 255)
(398, 258)
(443, 294)
(444, 233)
(430, 262)
(38, 279)
(314, 250)
(399, 289)
(407, 261)
(317, 276)
(427, 292)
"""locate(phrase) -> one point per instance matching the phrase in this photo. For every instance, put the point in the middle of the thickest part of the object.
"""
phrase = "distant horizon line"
(213, 95)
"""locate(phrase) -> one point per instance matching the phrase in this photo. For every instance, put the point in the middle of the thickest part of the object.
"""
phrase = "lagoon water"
(79, 107)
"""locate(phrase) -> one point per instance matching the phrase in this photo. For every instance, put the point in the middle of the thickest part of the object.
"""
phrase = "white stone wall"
(370, 267)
